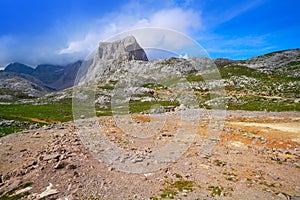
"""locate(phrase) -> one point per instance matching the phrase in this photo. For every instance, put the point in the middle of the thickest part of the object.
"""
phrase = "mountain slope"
(19, 68)
(56, 77)
(15, 86)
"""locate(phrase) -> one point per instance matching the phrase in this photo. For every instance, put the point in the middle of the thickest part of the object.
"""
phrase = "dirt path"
(48, 120)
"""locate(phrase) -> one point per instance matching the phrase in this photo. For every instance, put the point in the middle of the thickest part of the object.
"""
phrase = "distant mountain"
(14, 86)
(66, 76)
(19, 68)
(54, 77)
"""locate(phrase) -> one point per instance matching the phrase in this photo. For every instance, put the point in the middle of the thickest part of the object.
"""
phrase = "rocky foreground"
(256, 156)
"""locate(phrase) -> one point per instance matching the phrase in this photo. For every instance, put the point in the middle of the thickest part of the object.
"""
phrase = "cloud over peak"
(175, 18)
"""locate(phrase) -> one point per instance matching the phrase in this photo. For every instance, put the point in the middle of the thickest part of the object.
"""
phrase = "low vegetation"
(11, 195)
(23, 116)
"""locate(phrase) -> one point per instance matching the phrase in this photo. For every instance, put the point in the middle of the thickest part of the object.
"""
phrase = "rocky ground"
(256, 156)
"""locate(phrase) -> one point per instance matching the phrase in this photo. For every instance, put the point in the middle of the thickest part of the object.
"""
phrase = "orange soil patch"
(277, 135)
(284, 127)
(141, 118)
(269, 130)
(112, 130)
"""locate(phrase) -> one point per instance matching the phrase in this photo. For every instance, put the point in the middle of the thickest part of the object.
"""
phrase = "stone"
(49, 191)
(51, 157)
(31, 163)
(295, 198)
(282, 196)
(71, 166)
(15, 184)
(60, 165)
(135, 160)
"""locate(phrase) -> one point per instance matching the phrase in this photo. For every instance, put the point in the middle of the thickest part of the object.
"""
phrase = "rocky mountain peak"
(122, 50)
(19, 68)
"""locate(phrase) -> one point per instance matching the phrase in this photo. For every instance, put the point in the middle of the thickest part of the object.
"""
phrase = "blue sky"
(61, 31)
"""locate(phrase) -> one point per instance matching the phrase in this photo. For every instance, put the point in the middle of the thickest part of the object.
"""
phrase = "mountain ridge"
(56, 77)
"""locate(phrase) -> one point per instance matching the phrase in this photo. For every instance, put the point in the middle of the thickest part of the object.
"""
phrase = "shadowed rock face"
(122, 50)
(109, 56)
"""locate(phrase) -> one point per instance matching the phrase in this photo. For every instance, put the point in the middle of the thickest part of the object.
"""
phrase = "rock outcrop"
(109, 56)
(121, 50)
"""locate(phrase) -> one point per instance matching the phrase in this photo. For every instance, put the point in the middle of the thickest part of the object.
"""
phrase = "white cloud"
(6, 42)
(177, 19)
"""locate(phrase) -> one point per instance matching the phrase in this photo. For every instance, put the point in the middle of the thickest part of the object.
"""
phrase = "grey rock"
(295, 198)
(60, 165)
(71, 166)
(51, 157)
(122, 50)
(31, 163)
(282, 196)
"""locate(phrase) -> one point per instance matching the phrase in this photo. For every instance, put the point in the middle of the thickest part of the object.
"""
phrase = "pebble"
(282, 196)
(71, 166)
(51, 157)
(60, 165)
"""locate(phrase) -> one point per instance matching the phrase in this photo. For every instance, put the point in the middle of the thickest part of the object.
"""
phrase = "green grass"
(173, 188)
(237, 70)
(106, 87)
(6, 130)
(10, 194)
(194, 78)
(293, 63)
(22, 113)
(215, 190)
(257, 103)
(60, 112)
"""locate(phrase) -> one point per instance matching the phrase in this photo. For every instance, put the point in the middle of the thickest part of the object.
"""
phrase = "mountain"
(19, 68)
(110, 54)
(124, 49)
(14, 86)
(53, 77)
(68, 76)
(266, 82)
